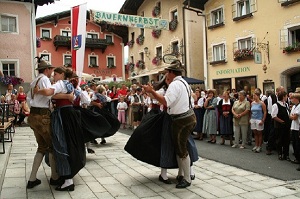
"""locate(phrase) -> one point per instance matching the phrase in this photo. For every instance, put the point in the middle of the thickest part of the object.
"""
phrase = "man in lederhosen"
(178, 99)
(39, 122)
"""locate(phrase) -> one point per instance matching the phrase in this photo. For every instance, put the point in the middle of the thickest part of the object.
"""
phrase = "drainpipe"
(205, 67)
(184, 43)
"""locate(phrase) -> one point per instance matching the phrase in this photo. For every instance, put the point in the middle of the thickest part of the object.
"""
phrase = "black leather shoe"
(295, 161)
(103, 141)
(179, 178)
(167, 181)
(193, 177)
(68, 188)
(90, 150)
(32, 184)
(60, 181)
(183, 184)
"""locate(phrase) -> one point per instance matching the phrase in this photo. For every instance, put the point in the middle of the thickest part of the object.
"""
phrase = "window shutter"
(209, 54)
(253, 7)
(284, 38)
(234, 10)
(225, 52)
(235, 46)
(208, 20)
(253, 43)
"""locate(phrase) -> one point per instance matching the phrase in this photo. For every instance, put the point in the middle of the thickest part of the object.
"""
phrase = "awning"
(152, 72)
(191, 80)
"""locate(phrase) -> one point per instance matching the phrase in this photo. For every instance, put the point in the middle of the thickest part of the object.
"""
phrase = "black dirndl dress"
(151, 142)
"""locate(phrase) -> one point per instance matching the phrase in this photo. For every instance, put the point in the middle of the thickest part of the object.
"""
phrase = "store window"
(222, 85)
(248, 84)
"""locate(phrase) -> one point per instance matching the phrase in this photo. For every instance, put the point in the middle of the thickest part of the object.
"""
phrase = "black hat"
(175, 66)
(43, 65)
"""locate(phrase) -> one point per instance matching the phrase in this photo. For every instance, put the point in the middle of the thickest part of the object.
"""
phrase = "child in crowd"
(122, 107)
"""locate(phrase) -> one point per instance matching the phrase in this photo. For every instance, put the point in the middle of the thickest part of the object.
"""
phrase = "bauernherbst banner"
(129, 20)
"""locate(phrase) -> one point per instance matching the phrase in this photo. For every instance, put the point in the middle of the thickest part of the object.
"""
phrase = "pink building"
(104, 54)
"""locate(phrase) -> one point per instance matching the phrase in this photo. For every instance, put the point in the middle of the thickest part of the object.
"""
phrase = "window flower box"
(292, 48)
(173, 24)
(111, 66)
(140, 64)
(11, 80)
(156, 60)
(130, 66)
(93, 66)
(156, 11)
(140, 39)
(156, 33)
(46, 39)
(130, 43)
(243, 54)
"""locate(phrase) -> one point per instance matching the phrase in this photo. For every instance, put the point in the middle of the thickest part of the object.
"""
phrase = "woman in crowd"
(197, 113)
(226, 125)
(258, 116)
(201, 115)
(210, 121)
(240, 111)
(280, 114)
(294, 116)
(21, 96)
(114, 100)
(68, 139)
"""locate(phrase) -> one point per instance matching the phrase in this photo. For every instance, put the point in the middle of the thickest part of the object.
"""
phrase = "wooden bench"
(6, 125)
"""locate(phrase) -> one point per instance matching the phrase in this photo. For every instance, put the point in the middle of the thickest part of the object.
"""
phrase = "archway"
(290, 78)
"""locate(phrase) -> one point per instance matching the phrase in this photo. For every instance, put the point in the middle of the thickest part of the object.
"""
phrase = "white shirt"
(177, 96)
(133, 98)
(39, 101)
(59, 87)
(122, 105)
(295, 123)
(201, 102)
(85, 98)
(275, 109)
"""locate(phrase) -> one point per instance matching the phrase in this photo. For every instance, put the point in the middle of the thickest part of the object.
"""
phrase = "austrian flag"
(78, 24)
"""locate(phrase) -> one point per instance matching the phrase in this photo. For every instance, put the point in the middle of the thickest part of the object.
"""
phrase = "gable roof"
(38, 2)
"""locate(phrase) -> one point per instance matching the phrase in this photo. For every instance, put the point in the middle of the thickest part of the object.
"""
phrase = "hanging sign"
(257, 57)
(129, 20)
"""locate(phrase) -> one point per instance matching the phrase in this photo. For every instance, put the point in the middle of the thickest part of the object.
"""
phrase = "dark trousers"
(283, 140)
(272, 136)
(296, 144)
(267, 128)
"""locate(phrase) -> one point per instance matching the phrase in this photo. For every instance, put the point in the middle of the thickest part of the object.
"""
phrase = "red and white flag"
(78, 24)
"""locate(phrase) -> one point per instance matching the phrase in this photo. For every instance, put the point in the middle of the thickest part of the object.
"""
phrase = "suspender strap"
(32, 94)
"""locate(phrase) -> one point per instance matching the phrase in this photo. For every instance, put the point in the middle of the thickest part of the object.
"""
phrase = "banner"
(132, 21)
(78, 24)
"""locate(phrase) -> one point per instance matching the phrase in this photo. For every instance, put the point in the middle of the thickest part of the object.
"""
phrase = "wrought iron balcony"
(65, 41)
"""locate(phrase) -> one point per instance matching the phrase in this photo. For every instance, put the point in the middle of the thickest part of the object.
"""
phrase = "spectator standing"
(122, 107)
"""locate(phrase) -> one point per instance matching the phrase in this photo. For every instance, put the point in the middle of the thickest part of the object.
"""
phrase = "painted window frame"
(92, 34)
(109, 35)
(107, 61)
(15, 62)
(65, 58)
(287, 38)
(15, 17)
(222, 51)
(46, 29)
(96, 64)
(69, 33)
(247, 11)
(46, 55)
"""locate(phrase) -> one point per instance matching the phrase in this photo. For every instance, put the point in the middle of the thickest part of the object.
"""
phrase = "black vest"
(283, 114)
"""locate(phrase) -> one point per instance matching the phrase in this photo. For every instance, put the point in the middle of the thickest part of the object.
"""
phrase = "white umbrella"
(86, 76)
(111, 79)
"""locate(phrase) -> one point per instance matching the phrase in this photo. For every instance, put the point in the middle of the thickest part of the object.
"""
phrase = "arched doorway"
(290, 78)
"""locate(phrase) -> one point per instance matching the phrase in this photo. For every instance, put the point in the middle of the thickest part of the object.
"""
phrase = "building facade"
(104, 50)
(147, 47)
(252, 43)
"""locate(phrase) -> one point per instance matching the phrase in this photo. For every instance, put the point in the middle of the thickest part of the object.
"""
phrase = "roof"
(38, 2)
(131, 7)
(198, 4)
(121, 31)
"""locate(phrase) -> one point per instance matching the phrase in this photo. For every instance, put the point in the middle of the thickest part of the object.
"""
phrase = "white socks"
(35, 166)
(68, 182)
(184, 165)
(163, 173)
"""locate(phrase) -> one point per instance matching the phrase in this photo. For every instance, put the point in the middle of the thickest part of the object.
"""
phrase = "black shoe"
(295, 161)
(103, 141)
(94, 142)
(183, 184)
(179, 178)
(167, 181)
(90, 150)
(193, 177)
(32, 184)
(60, 181)
(68, 188)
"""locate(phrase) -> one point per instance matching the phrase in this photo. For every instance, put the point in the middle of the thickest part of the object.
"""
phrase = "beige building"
(148, 46)
(252, 43)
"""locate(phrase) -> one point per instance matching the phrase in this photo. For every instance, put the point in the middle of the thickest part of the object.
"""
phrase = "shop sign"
(232, 71)
(106, 72)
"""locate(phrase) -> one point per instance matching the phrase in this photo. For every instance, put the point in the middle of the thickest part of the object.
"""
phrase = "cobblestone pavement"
(112, 173)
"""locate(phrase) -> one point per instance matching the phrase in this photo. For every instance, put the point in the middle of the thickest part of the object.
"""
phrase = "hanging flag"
(78, 24)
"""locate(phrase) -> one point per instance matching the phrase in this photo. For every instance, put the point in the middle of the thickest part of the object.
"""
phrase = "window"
(45, 33)
(290, 39)
(131, 59)
(243, 7)
(217, 16)
(294, 36)
(175, 48)
(142, 31)
(174, 15)
(111, 62)
(159, 52)
(142, 57)
(219, 52)
(66, 33)
(93, 61)
(92, 35)
(245, 43)
(67, 59)
(132, 36)
(46, 57)
(109, 38)
(9, 69)
(8, 23)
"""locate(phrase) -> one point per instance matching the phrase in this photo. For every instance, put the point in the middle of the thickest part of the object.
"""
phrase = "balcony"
(289, 2)
(65, 41)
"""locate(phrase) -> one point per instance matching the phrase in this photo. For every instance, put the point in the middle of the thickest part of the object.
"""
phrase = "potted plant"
(243, 54)
(130, 43)
(46, 39)
(156, 60)
(140, 64)
(295, 47)
(140, 39)
(173, 24)
(130, 66)
(156, 11)
(11, 80)
(156, 33)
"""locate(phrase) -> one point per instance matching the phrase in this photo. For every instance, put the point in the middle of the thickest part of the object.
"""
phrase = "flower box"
(46, 39)
(130, 43)
(173, 24)
(243, 54)
(140, 64)
(156, 11)
(292, 48)
(156, 33)
(11, 80)
(130, 66)
(156, 60)
(140, 39)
